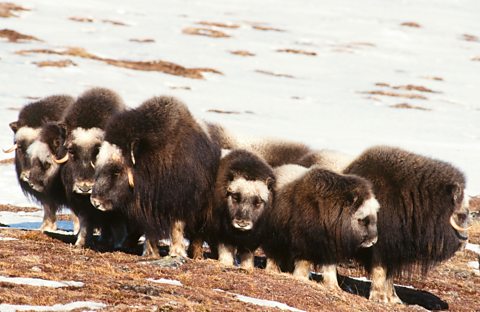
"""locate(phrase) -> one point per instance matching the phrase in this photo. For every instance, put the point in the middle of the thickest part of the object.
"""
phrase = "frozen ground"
(323, 103)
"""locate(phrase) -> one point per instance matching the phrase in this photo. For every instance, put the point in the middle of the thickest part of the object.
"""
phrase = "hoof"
(384, 298)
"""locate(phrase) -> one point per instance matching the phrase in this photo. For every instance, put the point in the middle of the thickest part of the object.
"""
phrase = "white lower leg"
(226, 254)
(272, 266)
(177, 248)
(302, 269)
(329, 273)
(247, 260)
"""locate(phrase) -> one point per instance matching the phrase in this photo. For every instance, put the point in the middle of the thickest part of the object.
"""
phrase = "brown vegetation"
(409, 106)
(266, 72)
(60, 63)
(160, 66)
(476, 59)
(411, 24)
(396, 94)
(205, 32)
(266, 28)
(81, 19)
(7, 161)
(242, 53)
(146, 40)
(221, 111)
(8, 9)
(294, 51)
(116, 23)
(471, 38)
(13, 36)
(221, 25)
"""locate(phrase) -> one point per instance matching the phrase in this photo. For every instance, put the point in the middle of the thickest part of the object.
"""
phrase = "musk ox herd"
(157, 171)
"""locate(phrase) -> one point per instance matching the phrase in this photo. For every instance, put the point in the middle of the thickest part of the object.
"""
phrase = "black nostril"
(85, 188)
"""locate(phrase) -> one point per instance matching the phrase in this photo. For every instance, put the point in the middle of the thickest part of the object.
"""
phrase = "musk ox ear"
(14, 126)
(455, 191)
(270, 182)
(63, 129)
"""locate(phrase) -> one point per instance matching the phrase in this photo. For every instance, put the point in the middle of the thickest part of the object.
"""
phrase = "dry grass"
(476, 58)
(270, 73)
(207, 32)
(409, 106)
(221, 111)
(116, 23)
(295, 51)
(160, 66)
(120, 280)
(411, 24)
(60, 63)
(471, 38)
(7, 161)
(13, 208)
(81, 19)
(410, 87)
(266, 28)
(396, 94)
(221, 25)
(8, 9)
(242, 53)
(146, 40)
(13, 36)
(435, 78)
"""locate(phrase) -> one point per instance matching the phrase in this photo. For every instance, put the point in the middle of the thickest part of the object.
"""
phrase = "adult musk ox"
(26, 131)
(158, 166)
(422, 220)
(243, 192)
(73, 144)
(319, 217)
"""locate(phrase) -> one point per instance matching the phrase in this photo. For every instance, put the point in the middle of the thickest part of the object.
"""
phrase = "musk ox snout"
(83, 187)
(242, 224)
(364, 222)
(25, 175)
(99, 204)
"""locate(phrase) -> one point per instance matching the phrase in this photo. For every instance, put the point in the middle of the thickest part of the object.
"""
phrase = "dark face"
(246, 200)
(43, 169)
(82, 148)
(113, 182)
(364, 223)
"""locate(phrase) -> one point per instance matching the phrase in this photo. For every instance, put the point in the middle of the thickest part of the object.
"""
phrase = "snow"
(57, 307)
(474, 265)
(39, 282)
(358, 43)
(31, 221)
(165, 281)
(262, 302)
(473, 247)
(7, 238)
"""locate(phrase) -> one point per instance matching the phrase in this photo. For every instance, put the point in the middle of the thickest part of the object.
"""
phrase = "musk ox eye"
(236, 197)
(365, 221)
(46, 165)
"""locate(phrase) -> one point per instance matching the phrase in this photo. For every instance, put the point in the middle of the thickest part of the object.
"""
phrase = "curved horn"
(92, 164)
(60, 161)
(11, 149)
(130, 178)
(133, 157)
(457, 227)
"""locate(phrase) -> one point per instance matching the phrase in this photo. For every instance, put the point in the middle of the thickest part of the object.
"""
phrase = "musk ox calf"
(73, 146)
(319, 217)
(422, 220)
(243, 192)
(158, 166)
(26, 131)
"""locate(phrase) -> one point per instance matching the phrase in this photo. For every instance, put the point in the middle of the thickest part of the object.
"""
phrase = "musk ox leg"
(150, 248)
(382, 289)
(195, 249)
(177, 248)
(226, 254)
(49, 218)
(272, 266)
(247, 260)
(329, 274)
(85, 233)
(76, 223)
(302, 269)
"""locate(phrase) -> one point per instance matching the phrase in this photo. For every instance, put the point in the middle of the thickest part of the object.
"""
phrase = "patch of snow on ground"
(91, 305)
(165, 281)
(474, 265)
(7, 238)
(29, 220)
(262, 302)
(473, 247)
(39, 282)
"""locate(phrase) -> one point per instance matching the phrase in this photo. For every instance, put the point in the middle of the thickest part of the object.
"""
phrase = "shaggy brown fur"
(312, 219)
(240, 204)
(418, 195)
(35, 115)
(173, 164)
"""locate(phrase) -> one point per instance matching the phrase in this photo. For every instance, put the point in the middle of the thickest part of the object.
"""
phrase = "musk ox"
(26, 131)
(422, 220)
(319, 217)
(277, 152)
(158, 166)
(73, 146)
(243, 191)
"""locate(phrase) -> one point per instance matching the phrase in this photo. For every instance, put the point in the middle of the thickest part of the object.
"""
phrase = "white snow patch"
(165, 281)
(91, 305)
(30, 221)
(262, 302)
(39, 282)
(7, 238)
(473, 247)
(474, 265)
